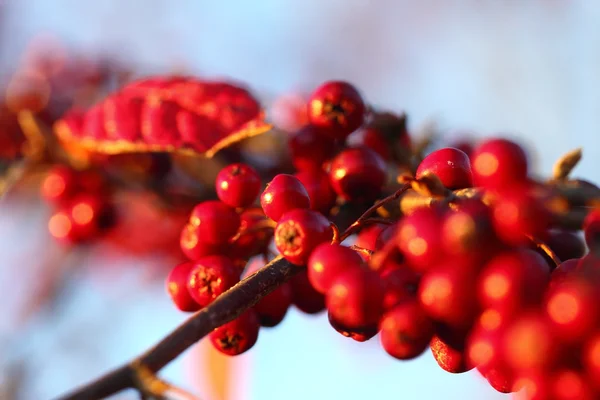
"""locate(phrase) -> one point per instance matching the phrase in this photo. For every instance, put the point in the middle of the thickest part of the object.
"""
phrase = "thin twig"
(546, 249)
(225, 308)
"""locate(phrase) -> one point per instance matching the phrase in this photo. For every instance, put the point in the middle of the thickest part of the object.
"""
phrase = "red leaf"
(166, 114)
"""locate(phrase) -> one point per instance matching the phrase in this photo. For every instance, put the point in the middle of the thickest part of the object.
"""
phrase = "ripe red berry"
(483, 344)
(358, 174)
(310, 148)
(406, 331)
(237, 336)
(419, 240)
(400, 284)
(304, 296)
(337, 107)
(177, 287)
(532, 385)
(59, 185)
(254, 236)
(512, 280)
(327, 261)
(298, 232)
(571, 384)
(500, 379)
(567, 245)
(591, 358)
(271, 310)
(357, 334)
(367, 237)
(194, 248)
(238, 185)
(447, 294)
(516, 213)
(499, 163)
(528, 343)
(355, 298)
(318, 187)
(215, 222)
(211, 276)
(563, 271)
(571, 306)
(372, 138)
(449, 358)
(284, 193)
(450, 165)
(60, 226)
(591, 229)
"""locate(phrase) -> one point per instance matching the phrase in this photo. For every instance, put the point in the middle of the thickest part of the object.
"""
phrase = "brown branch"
(226, 308)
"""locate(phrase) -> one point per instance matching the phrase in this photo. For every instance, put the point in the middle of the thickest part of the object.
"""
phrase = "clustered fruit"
(82, 203)
(481, 275)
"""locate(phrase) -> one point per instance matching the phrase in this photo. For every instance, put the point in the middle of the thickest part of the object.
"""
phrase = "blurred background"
(528, 69)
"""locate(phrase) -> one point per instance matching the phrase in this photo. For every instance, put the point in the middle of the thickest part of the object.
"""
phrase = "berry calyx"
(284, 193)
(358, 174)
(211, 276)
(238, 185)
(238, 336)
(298, 232)
(177, 287)
(452, 167)
(337, 107)
(327, 261)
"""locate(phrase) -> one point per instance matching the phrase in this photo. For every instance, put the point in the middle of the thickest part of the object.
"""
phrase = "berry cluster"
(479, 272)
(82, 203)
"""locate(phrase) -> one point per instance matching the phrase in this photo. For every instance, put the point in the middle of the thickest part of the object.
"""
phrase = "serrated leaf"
(166, 114)
(563, 167)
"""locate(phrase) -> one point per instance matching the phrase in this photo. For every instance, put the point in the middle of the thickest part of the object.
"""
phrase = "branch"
(225, 308)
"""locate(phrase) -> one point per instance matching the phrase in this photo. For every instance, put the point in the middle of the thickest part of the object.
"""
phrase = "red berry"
(467, 233)
(447, 294)
(591, 229)
(528, 343)
(304, 296)
(88, 212)
(512, 280)
(215, 222)
(563, 271)
(298, 232)
(358, 174)
(418, 237)
(367, 237)
(483, 345)
(406, 331)
(310, 148)
(449, 358)
(465, 145)
(284, 193)
(237, 336)
(59, 185)
(327, 261)
(337, 107)
(565, 244)
(372, 138)
(499, 163)
(322, 196)
(357, 334)
(571, 384)
(591, 358)
(516, 214)
(271, 310)
(211, 276)
(177, 287)
(571, 306)
(450, 165)
(238, 185)
(60, 226)
(500, 379)
(532, 385)
(400, 284)
(355, 298)
(194, 248)
(254, 237)
(387, 234)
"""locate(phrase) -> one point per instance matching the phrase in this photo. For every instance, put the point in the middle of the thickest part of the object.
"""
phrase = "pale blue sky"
(528, 68)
